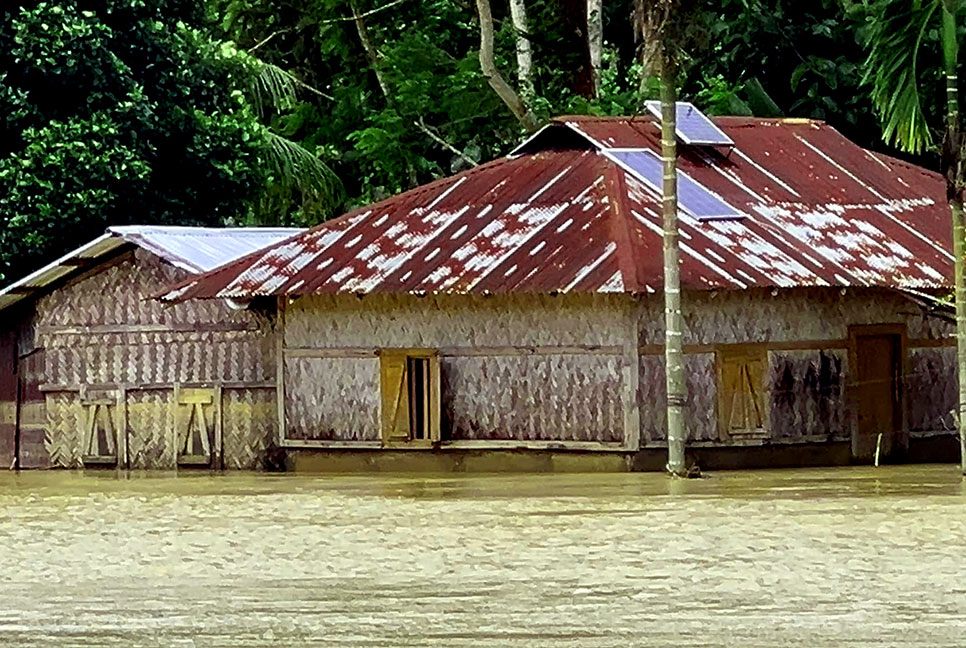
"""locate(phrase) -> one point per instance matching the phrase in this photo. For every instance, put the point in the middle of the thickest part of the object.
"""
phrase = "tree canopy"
(161, 111)
(113, 112)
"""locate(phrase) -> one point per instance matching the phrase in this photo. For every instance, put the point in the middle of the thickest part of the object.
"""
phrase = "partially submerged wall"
(514, 368)
(808, 384)
(521, 371)
(154, 372)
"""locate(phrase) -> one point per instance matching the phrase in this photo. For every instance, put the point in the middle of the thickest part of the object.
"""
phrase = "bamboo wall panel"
(65, 422)
(8, 398)
(332, 399)
(105, 330)
(930, 385)
(159, 358)
(120, 294)
(730, 317)
(808, 395)
(150, 440)
(249, 423)
(529, 398)
(455, 321)
(701, 406)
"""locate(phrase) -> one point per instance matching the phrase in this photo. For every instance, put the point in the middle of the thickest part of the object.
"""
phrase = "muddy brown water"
(836, 557)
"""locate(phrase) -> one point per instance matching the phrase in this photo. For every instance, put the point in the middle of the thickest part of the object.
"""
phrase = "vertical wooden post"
(217, 447)
(122, 456)
(172, 444)
(280, 369)
(631, 379)
(16, 423)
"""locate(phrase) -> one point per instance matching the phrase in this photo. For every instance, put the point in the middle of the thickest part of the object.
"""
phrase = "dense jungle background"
(291, 111)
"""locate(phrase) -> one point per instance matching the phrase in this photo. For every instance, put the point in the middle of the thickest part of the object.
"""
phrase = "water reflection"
(852, 556)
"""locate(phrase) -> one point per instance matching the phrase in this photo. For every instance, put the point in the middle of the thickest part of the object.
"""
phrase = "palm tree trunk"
(953, 168)
(959, 243)
(673, 356)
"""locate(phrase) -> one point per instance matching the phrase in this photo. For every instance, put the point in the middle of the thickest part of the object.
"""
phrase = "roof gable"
(560, 216)
(194, 249)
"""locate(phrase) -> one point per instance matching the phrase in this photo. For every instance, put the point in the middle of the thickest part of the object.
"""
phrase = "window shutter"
(741, 410)
(395, 398)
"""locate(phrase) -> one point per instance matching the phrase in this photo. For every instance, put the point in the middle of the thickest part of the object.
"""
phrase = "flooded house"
(511, 316)
(95, 373)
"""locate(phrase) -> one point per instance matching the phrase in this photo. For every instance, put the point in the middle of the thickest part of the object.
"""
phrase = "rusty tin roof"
(559, 215)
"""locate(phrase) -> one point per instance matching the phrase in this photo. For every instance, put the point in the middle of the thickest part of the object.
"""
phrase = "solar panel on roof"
(693, 126)
(693, 197)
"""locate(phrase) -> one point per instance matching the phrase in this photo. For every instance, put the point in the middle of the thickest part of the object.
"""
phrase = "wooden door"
(877, 395)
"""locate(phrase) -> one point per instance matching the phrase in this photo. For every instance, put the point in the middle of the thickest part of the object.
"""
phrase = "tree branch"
(371, 53)
(373, 57)
(268, 38)
(493, 76)
(355, 15)
(439, 140)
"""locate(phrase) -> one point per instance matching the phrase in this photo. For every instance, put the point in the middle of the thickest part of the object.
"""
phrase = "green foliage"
(793, 58)
(900, 35)
(775, 58)
(250, 111)
(117, 111)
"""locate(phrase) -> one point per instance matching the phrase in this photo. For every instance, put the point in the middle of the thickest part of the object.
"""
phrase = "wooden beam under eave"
(79, 262)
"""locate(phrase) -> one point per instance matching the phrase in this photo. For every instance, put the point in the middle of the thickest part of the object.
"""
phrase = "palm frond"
(296, 169)
(895, 40)
(273, 89)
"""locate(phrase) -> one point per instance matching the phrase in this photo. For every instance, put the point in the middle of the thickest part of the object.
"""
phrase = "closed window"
(410, 397)
(741, 392)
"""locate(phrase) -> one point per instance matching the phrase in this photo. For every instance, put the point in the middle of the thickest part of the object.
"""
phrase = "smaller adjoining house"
(512, 315)
(95, 373)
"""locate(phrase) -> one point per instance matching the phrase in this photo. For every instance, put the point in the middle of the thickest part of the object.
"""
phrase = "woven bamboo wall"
(513, 367)
(65, 429)
(546, 398)
(733, 317)
(701, 404)
(149, 429)
(103, 330)
(502, 378)
(250, 424)
(323, 321)
(930, 385)
(807, 395)
(332, 398)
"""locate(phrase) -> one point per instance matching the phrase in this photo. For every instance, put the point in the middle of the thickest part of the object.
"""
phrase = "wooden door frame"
(856, 331)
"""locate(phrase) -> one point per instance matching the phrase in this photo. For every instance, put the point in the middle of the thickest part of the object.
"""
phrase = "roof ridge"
(616, 191)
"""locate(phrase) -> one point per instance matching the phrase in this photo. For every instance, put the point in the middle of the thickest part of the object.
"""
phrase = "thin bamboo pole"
(953, 152)
(673, 353)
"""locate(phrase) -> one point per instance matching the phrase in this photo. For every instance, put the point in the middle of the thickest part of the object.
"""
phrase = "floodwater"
(812, 558)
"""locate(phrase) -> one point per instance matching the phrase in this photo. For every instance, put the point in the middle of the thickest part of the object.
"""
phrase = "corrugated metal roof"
(558, 215)
(194, 249)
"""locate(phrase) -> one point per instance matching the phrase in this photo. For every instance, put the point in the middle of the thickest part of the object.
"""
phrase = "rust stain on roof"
(558, 215)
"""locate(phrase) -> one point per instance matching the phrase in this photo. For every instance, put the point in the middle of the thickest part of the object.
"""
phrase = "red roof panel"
(558, 215)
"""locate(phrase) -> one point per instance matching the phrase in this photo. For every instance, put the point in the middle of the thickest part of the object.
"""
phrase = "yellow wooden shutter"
(395, 398)
(434, 407)
(754, 375)
(741, 408)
